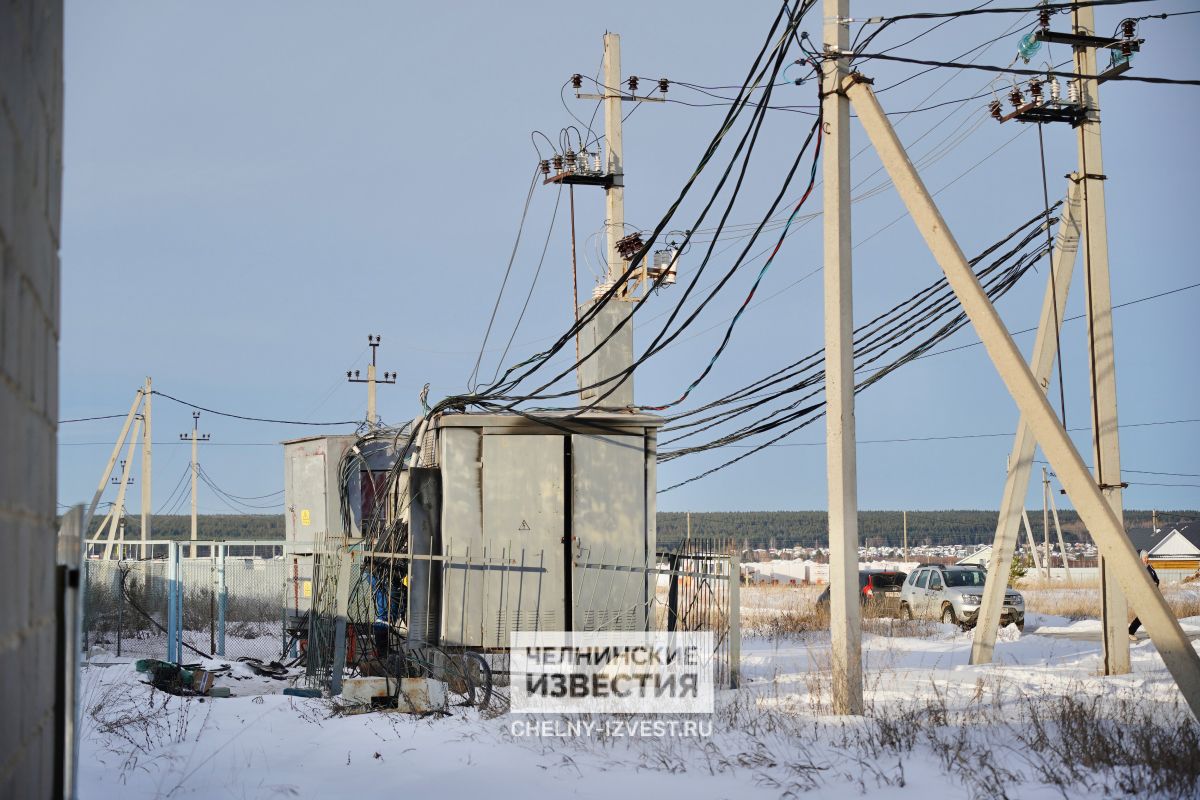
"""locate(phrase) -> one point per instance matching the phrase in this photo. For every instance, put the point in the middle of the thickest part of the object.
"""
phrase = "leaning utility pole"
(118, 509)
(371, 380)
(112, 461)
(196, 437)
(845, 613)
(1089, 499)
(147, 512)
(1106, 448)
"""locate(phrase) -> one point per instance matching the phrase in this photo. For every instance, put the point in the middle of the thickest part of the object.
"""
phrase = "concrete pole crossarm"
(845, 611)
(1173, 645)
(1016, 484)
(112, 461)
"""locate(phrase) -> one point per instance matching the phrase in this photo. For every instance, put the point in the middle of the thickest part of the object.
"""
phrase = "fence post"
(117, 587)
(172, 597)
(222, 597)
(672, 591)
(735, 619)
(345, 573)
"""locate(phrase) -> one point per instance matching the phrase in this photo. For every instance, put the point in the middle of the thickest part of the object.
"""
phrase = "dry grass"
(1081, 600)
(781, 612)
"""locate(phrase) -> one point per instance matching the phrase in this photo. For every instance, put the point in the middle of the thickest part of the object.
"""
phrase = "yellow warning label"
(306, 588)
(305, 517)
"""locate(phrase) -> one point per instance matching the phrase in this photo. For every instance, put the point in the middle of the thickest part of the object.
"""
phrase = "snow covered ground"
(1039, 723)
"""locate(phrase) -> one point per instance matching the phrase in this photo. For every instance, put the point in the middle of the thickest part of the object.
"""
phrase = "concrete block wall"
(31, 117)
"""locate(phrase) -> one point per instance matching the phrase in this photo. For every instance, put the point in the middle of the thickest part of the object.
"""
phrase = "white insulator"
(1055, 89)
(596, 162)
(1073, 91)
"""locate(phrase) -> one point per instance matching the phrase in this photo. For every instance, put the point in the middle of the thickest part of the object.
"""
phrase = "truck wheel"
(905, 611)
(948, 617)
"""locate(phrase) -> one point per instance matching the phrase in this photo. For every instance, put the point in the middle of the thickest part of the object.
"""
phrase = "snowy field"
(1039, 723)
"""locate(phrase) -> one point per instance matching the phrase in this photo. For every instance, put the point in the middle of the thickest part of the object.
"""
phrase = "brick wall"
(31, 91)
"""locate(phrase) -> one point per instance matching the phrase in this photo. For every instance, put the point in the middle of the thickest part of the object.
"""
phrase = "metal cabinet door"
(523, 531)
(608, 523)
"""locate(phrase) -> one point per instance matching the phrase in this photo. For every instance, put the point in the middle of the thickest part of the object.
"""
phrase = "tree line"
(752, 528)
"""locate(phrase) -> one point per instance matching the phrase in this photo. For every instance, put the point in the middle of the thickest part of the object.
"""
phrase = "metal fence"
(229, 601)
(468, 601)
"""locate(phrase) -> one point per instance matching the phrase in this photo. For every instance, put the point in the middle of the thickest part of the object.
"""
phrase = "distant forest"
(875, 528)
(755, 528)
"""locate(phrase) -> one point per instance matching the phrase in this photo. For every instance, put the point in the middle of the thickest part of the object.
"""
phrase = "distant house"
(1172, 548)
(980, 558)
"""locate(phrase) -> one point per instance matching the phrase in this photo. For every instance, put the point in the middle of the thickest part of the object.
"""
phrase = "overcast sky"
(252, 188)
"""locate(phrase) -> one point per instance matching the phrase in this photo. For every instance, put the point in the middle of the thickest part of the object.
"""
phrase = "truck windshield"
(965, 577)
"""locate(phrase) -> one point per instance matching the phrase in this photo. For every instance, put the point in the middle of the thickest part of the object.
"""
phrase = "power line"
(971, 12)
(89, 419)
(1009, 434)
(251, 419)
(1066, 319)
(507, 271)
(1021, 71)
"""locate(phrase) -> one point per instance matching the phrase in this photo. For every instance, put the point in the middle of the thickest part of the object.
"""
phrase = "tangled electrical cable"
(934, 305)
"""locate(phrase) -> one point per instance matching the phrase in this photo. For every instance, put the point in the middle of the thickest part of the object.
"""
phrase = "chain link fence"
(232, 600)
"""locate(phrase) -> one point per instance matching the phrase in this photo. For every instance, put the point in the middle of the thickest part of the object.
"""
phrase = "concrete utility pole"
(1062, 545)
(118, 510)
(615, 355)
(112, 461)
(845, 613)
(147, 471)
(371, 381)
(1046, 520)
(1106, 448)
(1020, 460)
(614, 193)
(1033, 552)
(1089, 499)
(196, 437)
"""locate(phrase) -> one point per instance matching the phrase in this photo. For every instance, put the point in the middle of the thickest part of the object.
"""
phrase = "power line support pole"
(845, 613)
(1020, 460)
(147, 469)
(371, 380)
(118, 510)
(1046, 521)
(614, 193)
(1093, 506)
(112, 461)
(905, 537)
(1106, 448)
(196, 437)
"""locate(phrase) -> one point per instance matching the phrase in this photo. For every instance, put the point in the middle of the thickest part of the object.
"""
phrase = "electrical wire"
(507, 271)
(758, 280)
(1041, 73)
(249, 419)
(524, 369)
(89, 419)
(537, 273)
(978, 10)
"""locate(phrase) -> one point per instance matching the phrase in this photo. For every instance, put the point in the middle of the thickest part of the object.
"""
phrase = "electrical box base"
(421, 695)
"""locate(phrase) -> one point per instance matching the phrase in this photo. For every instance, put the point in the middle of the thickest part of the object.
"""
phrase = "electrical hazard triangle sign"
(524, 526)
